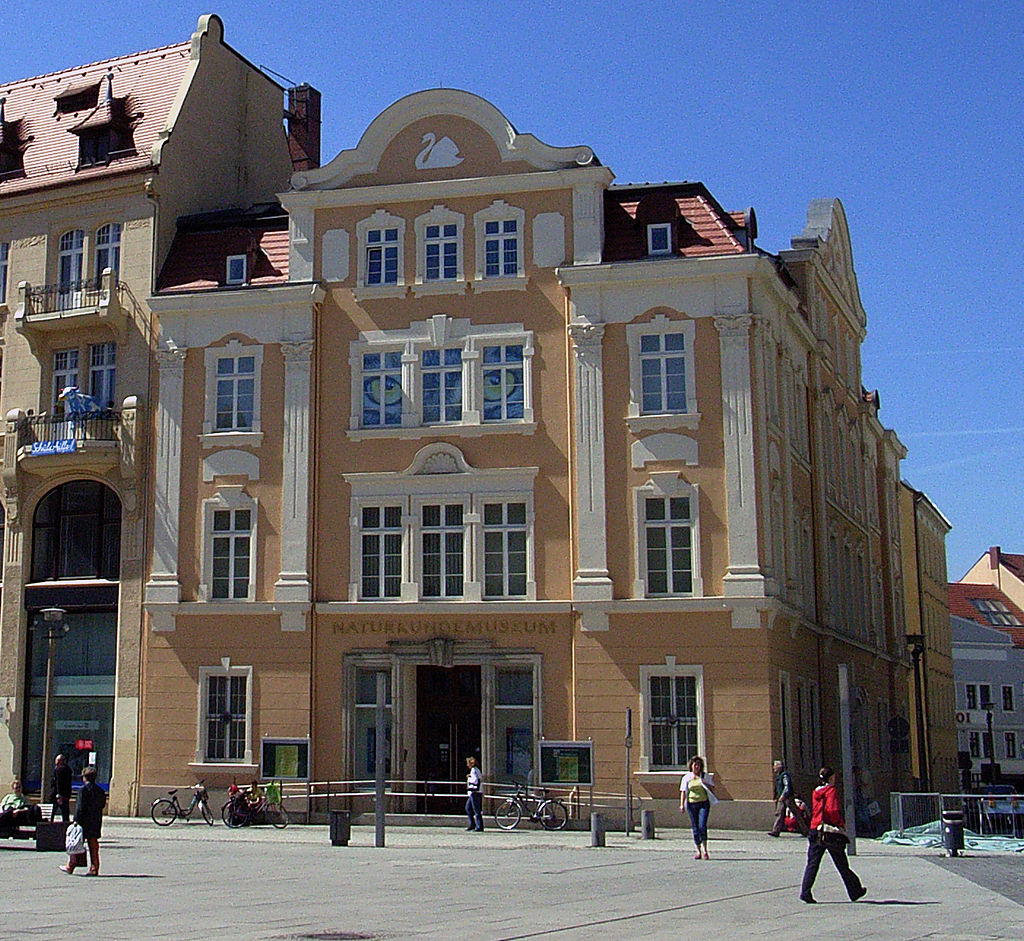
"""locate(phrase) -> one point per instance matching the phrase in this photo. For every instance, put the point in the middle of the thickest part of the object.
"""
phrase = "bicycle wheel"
(508, 814)
(231, 817)
(552, 815)
(277, 816)
(207, 813)
(163, 812)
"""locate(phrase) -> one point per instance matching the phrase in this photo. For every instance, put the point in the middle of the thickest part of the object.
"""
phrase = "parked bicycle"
(166, 810)
(243, 808)
(549, 812)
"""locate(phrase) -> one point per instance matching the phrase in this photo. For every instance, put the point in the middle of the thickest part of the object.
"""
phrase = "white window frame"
(249, 437)
(108, 241)
(439, 474)
(499, 211)
(69, 373)
(665, 486)
(230, 498)
(1010, 739)
(672, 670)
(5, 260)
(1008, 689)
(655, 227)
(381, 219)
(440, 216)
(202, 742)
(441, 332)
(506, 528)
(421, 530)
(234, 275)
(70, 252)
(635, 417)
(103, 370)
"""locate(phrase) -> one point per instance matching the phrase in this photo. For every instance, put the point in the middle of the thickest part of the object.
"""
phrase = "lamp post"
(56, 628)
(990, 751)
(916, 644)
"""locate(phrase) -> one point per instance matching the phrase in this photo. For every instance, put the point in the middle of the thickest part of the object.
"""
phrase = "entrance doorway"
(447, 731)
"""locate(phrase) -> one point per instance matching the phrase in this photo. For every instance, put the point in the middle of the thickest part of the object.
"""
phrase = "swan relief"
(438, 153)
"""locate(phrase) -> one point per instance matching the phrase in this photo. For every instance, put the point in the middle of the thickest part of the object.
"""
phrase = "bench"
(48, 835)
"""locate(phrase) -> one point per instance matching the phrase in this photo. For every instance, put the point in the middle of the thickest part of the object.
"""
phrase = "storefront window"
(365, 738)
(513, 724)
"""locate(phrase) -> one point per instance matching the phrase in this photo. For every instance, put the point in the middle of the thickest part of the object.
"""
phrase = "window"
(662, 378)
(232, 551)
(666, 560)
(233, 395)
(70, 255)
(971, 692)
(659, 239)
(499, 246)
(673, 716)
(65, 374)
(442, 530)
(1007, 699)
(443, 538)
(380, 261)
(102, 368)
(229, 559)
(513, 723)
(503, 382)
(442, 372)
(439, 250)
(235, 388)
(108, 249)
(381, 536)
(382, 389)
(985, 695)
(996, 612)
(225, 715)
(1010, 742)
(237, 269)
(5, 254)
(94, 146)
(76, 533)
(974, 744)
(365, 738)
(504, 550)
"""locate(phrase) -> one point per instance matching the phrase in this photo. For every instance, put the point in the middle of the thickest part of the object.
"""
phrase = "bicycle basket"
(274, 793)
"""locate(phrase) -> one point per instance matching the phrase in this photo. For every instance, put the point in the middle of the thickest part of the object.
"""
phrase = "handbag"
(74, 839)
(830, 836)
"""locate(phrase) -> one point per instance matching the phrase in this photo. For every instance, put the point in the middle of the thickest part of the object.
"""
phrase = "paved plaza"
(195, 882)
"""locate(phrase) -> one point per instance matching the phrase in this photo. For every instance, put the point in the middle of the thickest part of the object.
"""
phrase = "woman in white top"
(474, 798)
(696, 795)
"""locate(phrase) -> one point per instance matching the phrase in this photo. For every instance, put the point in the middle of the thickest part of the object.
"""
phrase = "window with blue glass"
(501, 248)
(382, 256)
(441, 243)
(382, 389)
(441, 372)
(663, 373)
(503, 382)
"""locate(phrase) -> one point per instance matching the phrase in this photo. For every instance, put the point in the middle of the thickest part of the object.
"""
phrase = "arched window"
(108, 248)
(69, 267)
(76, 533)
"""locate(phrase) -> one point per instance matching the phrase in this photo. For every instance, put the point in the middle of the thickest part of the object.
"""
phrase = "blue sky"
(910, 113)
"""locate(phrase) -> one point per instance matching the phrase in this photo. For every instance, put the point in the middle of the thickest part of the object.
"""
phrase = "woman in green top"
(696, 795)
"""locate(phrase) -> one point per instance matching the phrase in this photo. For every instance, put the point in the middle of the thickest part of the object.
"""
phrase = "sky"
(909, 112)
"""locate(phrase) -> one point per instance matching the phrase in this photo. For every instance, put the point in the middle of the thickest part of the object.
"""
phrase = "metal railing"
(40, 429)
(984, 814)
(83, 294)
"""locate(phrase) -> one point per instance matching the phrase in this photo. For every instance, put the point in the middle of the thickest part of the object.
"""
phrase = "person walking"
(785, 800)
(474, 796)
(696, 797)
(89, 816)
(828, 833)
(60, 789)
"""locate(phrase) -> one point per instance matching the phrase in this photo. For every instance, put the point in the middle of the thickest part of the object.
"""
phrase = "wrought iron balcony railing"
(57, 434)
(87, 293)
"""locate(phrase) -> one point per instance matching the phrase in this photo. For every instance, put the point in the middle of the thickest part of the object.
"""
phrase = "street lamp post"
(990, 751)
(56, 628)
(916, 644)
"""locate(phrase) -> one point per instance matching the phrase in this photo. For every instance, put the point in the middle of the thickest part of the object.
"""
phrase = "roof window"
(77, 98)
(237, 269)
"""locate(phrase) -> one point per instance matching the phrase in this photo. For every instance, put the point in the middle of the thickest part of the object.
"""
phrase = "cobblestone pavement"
(195, 882)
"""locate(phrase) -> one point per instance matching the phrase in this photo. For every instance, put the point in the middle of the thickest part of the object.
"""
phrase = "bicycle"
(549, 812)
(165, 810)
(238, 812)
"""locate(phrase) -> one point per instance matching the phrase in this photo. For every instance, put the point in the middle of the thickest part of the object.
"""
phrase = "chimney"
(304, 127)
(993, 557)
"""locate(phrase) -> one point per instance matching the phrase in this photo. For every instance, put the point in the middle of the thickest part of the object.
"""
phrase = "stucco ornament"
(438, 153)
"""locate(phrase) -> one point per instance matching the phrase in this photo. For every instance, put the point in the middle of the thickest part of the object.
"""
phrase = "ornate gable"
(827, 232)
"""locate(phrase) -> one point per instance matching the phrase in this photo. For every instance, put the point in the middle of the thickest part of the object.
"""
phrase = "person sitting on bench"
(16, 811)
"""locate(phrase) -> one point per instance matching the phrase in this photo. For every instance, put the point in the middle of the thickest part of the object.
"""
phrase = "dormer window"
(105, 132)
(11, 145)
(81, 98)
(237, 269)
(659, 239)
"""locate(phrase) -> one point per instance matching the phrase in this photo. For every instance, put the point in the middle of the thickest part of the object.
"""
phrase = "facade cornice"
(253, 298)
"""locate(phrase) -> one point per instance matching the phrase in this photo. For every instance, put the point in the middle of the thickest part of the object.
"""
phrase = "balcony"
(85, 303)
(46, 444)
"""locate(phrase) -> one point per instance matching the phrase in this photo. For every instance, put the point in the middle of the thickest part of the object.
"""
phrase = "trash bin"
(952, 831)
(341, 827)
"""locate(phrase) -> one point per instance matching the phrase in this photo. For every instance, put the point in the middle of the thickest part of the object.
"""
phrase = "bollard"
(596, 830)
(953, 831)
(340, 827)
(647, 824)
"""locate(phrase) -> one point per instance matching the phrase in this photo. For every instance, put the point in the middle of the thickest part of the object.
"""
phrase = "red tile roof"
(705, 229)
(198, 259)
(961, 594)
(1015, 563)
(147, 84)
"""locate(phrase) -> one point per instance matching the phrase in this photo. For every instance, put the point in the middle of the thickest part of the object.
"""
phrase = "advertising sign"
(285, 759)
(566, 763)
(60, 446)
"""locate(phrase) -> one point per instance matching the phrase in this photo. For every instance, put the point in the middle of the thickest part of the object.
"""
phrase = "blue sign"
(60, 446)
